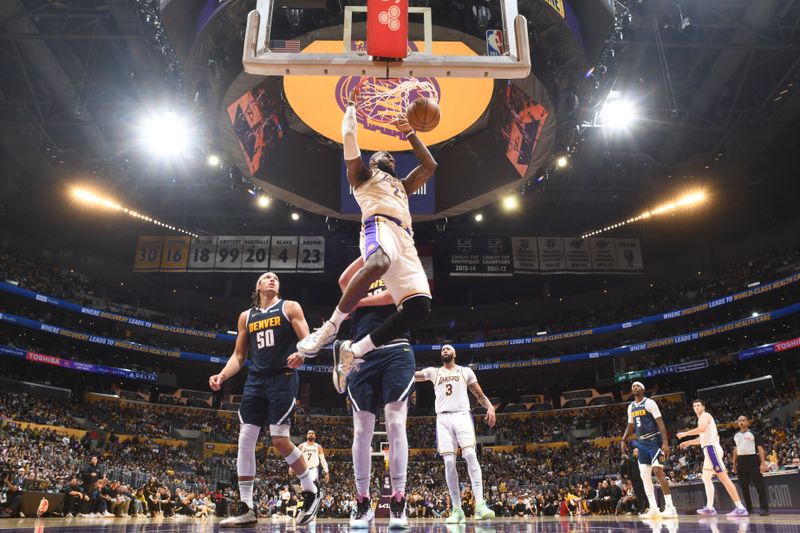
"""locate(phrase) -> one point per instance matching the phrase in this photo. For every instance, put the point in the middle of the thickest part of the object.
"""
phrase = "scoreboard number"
(255, 253)
(175, 255)
(283, 255)
(229, 253)
(311, 254)
(148, 253)
(202, 254)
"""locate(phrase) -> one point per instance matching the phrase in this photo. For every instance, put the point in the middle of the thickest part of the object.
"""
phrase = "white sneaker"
(362, 515)
(669, 512)
(246, 518)
(344, 363)
(651, 514)
(313, 343)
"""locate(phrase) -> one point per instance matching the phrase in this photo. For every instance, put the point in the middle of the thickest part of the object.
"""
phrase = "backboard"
(514, 60)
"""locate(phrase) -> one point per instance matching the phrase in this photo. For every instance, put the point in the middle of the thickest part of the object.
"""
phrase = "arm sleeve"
(469, 376)
(322, 460)
(429, 373)
(652, 408)
(349, 127)
(630, 417)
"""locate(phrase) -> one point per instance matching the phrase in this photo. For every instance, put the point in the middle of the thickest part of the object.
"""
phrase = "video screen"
(256, 123)
(521, 124)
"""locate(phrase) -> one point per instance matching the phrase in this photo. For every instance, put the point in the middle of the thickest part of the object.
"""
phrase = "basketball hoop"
(382, 100)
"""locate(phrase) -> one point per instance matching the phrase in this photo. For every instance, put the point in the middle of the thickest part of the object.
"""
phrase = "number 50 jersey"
(271, 337)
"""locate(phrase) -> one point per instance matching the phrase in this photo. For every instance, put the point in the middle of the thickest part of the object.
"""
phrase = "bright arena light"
(295, 216)
(685, 201)
(510, 202)
(213, 160)
(166, 134)
(618, 114)
(90, 198)
(561, 162)
(479, 217)
(263, 201)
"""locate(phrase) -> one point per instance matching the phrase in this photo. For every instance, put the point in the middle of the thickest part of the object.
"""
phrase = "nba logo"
(494, 43)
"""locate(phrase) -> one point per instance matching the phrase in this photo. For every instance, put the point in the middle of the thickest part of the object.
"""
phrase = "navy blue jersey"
(271, 337)
(366, 319)
(643, 417)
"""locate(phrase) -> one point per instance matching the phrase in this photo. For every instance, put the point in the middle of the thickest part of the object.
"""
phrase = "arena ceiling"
(717, 84)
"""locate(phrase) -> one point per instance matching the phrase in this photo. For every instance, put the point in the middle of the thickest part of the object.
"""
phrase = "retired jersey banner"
(230, 253)
(481, 256)
(526, 255)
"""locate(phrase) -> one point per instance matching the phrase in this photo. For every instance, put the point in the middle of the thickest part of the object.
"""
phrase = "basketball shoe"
(482, 511)
(397, 513)
(313, 343)
(362, 515)
(457, 516)
(246, 517)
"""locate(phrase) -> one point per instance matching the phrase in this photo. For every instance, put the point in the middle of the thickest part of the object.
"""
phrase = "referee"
(748, 461)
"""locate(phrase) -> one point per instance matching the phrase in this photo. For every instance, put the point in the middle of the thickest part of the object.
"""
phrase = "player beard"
(447, 359)
(382, 166)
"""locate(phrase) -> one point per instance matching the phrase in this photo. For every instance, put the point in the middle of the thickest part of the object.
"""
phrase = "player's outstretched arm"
(626, 436)
(419, 375)
(420, 175)
(237, 358)
(477, 391)
(295, 314)
(357, 173)
(687, 443)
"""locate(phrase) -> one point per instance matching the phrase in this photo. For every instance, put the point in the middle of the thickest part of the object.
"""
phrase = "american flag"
(292, 46)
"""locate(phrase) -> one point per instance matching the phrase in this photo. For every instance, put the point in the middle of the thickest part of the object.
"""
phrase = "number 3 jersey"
(272, 339)
(450, 387)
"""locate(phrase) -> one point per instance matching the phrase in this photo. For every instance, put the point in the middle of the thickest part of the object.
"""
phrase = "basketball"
(423, 114)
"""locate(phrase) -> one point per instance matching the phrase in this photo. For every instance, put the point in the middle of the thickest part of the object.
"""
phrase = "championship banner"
(604, 254)
(578, 255)
(526, 255)
(552, 257)
(481, 256)
(230, 253)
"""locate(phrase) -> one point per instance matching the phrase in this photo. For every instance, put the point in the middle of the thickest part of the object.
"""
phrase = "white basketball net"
(384, 100)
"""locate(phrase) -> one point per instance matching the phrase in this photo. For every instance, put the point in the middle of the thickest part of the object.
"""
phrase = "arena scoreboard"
(230, 253)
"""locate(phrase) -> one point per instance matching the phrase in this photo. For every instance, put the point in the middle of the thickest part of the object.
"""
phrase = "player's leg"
(446, 445)
(708, 484)
(658, 470)
(282, 391)
(714, 460)
(377, 249)
(465, 433)
(252, 416)
(646, 456)
(397, 384)
(361, 389)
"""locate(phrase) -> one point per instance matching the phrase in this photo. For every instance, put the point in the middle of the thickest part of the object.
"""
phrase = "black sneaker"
(362, 515)
(246, 517)
(397, 513)
(311, 501)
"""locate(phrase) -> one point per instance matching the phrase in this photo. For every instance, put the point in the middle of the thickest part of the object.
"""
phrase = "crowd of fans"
(139, 476)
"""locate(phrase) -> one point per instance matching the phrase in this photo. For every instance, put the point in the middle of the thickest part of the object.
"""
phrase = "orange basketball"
(423, 114)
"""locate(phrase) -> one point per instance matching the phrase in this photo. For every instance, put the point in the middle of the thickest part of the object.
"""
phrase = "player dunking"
(454, 428)
(314, 456)
(708, 439)
(385, 378)
(387, 245)
(644, 420)
(267, 333)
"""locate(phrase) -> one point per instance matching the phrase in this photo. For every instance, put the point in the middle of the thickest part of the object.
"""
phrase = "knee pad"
(246, 455)
(418, 308)
(248, 437)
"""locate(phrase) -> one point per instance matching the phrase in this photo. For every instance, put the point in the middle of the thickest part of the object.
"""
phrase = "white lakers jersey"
(450, 387)
(383, 194)
(310, 453)
(710, 435)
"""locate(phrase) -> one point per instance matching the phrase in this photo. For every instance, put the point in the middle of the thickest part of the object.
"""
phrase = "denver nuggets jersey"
(383, 194)
(643, 416)
(366, 319)
(450, 387)
(272, 339)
